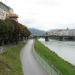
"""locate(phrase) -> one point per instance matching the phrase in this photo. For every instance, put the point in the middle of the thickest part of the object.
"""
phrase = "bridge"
(61, 38)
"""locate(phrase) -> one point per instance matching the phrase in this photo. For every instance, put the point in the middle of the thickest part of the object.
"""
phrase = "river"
(64, 49)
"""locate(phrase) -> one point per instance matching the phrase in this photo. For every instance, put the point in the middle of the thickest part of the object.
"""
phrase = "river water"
(64, 49)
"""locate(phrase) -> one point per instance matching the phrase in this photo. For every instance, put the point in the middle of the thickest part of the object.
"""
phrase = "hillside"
(36, 32)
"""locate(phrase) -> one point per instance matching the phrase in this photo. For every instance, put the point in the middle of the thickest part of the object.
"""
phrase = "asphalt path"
(30, 65)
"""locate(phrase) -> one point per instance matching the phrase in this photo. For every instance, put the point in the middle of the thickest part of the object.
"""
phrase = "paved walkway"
(30, 65)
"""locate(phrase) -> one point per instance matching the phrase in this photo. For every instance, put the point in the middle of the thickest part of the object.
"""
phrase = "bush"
(12, 31)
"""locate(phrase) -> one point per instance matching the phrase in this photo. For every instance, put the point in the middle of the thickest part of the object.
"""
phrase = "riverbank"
(64, 49)
(51, 58)
(10, 63)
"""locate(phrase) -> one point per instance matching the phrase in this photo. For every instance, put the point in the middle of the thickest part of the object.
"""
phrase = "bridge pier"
(46, 38)
(60, 38)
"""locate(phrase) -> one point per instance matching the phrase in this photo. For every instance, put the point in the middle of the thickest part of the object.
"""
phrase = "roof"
(13, 15)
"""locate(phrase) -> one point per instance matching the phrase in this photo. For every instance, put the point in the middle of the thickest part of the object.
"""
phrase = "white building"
(4, 11)
(7, 12)
(62, 32)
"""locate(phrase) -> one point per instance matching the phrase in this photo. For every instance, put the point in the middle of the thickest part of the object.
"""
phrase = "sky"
(44, 14)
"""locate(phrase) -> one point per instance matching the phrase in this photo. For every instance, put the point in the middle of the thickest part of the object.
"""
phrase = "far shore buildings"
(7, 12)
(62, 32)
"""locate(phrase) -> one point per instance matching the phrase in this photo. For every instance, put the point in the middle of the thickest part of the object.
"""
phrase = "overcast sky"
(44, 14)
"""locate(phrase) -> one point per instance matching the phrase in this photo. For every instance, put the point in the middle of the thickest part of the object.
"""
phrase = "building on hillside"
(6, 12)
(62, 32)
(13, 16)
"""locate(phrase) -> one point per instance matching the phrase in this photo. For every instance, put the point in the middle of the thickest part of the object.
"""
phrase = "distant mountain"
(36, 32)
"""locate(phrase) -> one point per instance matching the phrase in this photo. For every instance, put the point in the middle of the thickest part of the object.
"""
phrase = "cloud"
(45, 14)
(48, 2)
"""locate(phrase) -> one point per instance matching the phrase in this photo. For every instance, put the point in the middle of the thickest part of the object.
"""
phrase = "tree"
(12, 31)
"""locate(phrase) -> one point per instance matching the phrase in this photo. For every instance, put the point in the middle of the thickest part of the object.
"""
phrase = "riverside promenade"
(30, 65)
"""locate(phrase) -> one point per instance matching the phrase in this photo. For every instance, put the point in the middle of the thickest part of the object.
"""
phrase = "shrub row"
(12, 32)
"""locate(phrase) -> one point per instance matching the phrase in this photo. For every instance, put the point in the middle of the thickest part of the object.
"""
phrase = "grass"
(10, 63)
(51, 58)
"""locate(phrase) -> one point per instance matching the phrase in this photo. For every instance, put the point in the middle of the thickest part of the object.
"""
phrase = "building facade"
(7, 12)
(62, 32)
(4, 11)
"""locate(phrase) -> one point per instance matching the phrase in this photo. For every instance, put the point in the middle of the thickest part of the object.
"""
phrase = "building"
(13, 16)
(62, 32)
(7, 12)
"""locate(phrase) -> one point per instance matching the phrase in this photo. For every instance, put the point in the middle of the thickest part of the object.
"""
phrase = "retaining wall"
(49, 68)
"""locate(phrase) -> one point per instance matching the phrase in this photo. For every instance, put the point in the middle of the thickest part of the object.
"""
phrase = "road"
(30, 65)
